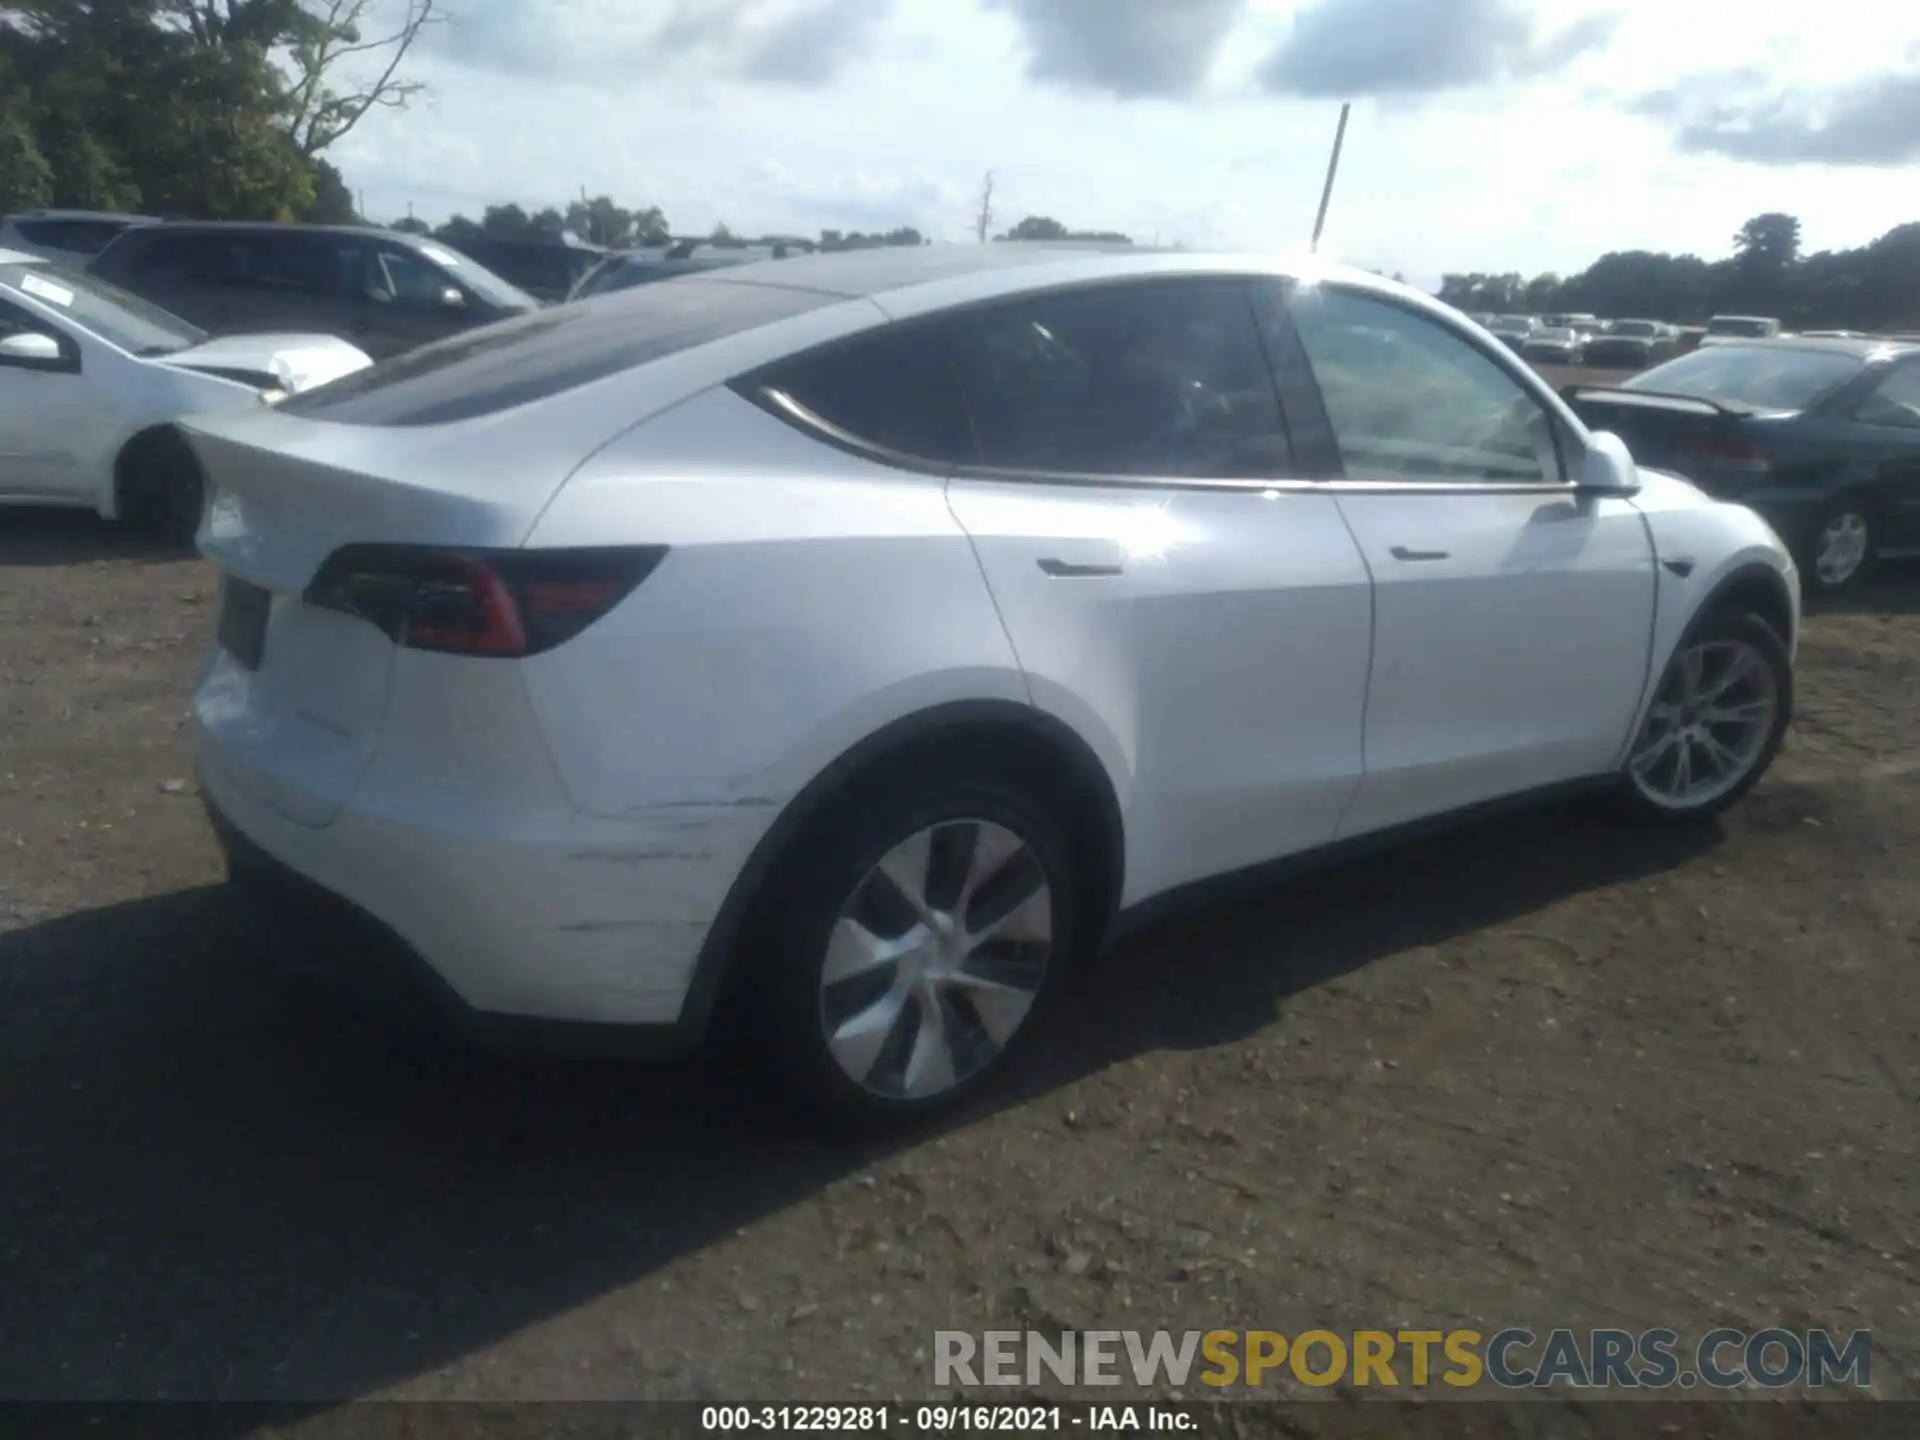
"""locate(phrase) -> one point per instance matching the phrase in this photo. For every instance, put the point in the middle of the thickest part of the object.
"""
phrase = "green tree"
(505, 222)
(1769, 242)
(408, 225)
(1037, 227)
(458, 230)
(26, 179)
(332, 200)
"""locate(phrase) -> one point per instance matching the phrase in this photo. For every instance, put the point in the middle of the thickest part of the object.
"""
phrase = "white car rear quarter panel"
(809, 598)
(523, 904)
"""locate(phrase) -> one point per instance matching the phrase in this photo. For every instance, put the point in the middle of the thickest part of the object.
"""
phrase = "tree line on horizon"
(1870, 287)
(602, 221)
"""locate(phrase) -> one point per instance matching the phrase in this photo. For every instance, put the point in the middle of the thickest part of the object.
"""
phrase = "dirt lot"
(1546, 1071)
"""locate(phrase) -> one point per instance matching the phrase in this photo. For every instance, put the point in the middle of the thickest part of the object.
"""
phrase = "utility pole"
(985, 221)
(1333, 167)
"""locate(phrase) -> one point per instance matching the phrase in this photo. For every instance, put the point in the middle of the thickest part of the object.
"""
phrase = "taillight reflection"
(479, 602)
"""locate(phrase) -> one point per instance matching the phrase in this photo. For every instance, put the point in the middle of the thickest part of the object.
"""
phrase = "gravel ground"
(1545, 1071)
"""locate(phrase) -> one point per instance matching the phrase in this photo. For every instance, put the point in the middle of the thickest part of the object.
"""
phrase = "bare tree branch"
(322, 114)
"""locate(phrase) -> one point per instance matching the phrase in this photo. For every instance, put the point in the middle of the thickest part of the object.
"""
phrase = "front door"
(1512, 615)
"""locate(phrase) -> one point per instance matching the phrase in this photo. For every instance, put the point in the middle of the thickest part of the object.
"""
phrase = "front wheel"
(912, 943)
(1715, 723)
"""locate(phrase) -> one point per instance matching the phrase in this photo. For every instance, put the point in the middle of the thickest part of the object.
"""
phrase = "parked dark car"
(1822, 437)
(626, 268)
(383, 291)
(545, 269)
(64, 236)
(1632, 345)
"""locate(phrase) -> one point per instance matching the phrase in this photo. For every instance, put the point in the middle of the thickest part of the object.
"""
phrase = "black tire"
(1722, 627)
(829, 863)
(1854, 505)
(161, 490)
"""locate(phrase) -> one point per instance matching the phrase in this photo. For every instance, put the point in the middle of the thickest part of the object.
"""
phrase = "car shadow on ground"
(54, 536)
(220, 1185)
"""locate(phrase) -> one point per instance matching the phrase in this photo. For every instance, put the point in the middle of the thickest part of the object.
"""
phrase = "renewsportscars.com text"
(1510, 1359)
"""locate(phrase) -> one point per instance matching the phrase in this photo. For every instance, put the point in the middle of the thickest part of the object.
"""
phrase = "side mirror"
(31, 347)
(1607, 467)
(452, 299)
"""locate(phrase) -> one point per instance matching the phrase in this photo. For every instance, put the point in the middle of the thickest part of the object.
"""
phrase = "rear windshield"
(1765, 377)
(533, 356)
(1740, 326)
(1632, 329)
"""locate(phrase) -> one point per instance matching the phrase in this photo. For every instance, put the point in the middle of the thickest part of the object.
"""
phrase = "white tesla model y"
(873, 630)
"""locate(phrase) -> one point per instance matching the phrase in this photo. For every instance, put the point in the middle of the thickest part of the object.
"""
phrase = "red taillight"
(475, 602)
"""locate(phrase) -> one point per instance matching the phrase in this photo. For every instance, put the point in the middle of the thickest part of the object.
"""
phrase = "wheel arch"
(1023, 737)
(147, 440)
(1755, 587)
(1751, 584)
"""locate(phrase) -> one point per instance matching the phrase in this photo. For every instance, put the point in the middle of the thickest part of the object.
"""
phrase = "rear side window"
(895, 390)
(289, 263)
(530, 357)
(172, 256)
(1162, 378)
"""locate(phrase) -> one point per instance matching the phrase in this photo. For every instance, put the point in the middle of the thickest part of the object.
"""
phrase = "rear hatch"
(295, 695)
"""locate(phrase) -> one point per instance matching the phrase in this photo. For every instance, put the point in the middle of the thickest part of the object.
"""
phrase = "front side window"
(1895, 401)
(1162, 378)
(391, 275)
(1409, 400)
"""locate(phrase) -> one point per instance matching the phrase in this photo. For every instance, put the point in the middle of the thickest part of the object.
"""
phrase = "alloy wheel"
(1707, 727)
(1842, 548)
(936, 959)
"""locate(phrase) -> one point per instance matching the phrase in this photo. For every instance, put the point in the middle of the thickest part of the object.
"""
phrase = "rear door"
(1169, 584)
(43, 414)
(1512, 616)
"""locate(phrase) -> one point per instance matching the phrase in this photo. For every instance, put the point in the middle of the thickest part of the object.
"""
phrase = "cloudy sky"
(1486, 134)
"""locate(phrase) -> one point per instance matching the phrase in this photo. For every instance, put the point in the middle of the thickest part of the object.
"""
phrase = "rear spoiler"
(1660, 400)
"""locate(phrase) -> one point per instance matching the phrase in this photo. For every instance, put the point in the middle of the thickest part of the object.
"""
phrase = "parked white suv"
(874, 630)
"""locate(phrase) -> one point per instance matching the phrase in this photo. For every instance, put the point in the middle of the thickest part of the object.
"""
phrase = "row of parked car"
(191, 317)
(1584, 339)
(384, 291)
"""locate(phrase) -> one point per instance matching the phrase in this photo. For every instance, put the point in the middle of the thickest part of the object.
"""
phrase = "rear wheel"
(911, 943)
(1844, 544)
(1715, 723)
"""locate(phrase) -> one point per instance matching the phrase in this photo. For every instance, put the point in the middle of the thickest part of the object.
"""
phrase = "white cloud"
(800, 115)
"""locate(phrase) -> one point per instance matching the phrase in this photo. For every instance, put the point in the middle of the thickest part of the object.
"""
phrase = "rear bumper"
(511, 901)
(324, 938)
